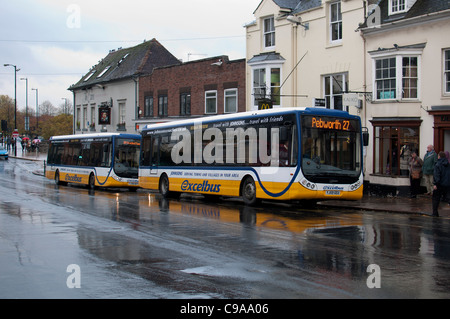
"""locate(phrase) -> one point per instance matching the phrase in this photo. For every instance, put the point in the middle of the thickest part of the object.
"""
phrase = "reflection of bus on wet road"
(282, 154)
(104, 159)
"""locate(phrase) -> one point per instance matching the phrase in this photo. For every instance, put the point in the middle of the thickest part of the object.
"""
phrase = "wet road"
(137, 245)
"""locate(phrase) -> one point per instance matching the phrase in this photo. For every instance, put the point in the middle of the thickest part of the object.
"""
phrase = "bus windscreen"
(126, 157)
(331, 149)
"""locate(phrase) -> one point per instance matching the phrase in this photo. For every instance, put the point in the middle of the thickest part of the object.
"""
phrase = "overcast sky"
(55, 42)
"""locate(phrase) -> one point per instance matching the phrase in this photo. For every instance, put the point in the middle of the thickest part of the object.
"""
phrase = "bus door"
(154, 158)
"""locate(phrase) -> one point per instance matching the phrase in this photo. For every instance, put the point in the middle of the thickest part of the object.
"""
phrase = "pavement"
(400, 205)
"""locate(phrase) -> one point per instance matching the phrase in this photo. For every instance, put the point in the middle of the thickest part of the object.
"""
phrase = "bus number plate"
(333, 193)
(134, 183)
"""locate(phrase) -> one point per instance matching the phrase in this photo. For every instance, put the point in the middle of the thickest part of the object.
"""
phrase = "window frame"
(209, 98)
(446, 72)
(395, 6)
(148, 106)
(381, 160)
(399, 75)
(185, 103)
(270, 32)
(332, 95)
(235, 95)
(267, 90)
(335, 6)
(163, 108)
(122, 106)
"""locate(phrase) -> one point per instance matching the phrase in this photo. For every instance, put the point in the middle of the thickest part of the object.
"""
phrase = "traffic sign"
(15, 134)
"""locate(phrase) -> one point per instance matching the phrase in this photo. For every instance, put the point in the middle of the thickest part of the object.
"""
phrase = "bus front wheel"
(248, 191)
(164, 186)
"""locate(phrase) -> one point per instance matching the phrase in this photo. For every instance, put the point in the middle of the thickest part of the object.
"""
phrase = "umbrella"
(25, 138)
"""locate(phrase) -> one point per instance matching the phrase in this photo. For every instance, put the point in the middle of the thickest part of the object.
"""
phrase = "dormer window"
(397, 6)
(89, 76)
(103, 72)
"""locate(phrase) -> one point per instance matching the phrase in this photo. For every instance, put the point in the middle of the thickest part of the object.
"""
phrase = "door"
(154, 160)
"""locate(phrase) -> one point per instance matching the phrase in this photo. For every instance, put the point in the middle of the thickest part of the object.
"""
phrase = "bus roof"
(94, 135)
(269, 112)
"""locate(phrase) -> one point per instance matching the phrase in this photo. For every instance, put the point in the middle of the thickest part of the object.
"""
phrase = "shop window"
(393, 147)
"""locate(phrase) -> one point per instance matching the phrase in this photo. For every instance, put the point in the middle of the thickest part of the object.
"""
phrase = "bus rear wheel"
(91, 181)
(58, 180)
(164, 186)
(248, 191)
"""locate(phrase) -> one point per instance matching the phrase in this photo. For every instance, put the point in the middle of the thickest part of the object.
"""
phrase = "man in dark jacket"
(441, 178)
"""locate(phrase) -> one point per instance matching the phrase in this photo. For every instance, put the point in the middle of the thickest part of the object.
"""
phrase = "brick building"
(192, 89)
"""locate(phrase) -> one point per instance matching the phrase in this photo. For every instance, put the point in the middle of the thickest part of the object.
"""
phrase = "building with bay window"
(299, 52)
(392, 55)
(407, 75)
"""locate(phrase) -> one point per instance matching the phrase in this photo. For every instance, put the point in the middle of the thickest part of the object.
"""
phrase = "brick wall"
(195, 77)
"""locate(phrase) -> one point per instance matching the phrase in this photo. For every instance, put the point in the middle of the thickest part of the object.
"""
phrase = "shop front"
(441, 128)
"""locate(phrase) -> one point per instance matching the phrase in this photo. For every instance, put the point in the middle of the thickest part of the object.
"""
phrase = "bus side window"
(106, 156)
(154, 161)
(146, 150)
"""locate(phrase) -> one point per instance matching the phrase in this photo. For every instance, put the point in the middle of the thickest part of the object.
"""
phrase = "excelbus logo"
(204, 187)
(75, 178)
(232, 145)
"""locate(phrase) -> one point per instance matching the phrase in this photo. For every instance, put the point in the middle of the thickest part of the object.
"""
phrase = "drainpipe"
(74, 108)
(136, 96)
(294, 55)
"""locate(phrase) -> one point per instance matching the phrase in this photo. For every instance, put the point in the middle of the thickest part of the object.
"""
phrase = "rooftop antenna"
(199, 54)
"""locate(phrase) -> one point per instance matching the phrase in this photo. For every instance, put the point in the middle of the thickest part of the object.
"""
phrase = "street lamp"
(65, 105)
(15, 102)
(37, 111)
(27, 123)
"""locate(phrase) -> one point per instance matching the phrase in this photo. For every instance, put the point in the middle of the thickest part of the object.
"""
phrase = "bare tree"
(65, 108)
(47, 108)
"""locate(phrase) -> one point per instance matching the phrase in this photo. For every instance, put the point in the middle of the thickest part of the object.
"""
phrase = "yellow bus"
(281, 154)
(96, 160)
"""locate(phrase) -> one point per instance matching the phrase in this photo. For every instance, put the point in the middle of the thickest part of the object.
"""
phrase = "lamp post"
(27, 123)
(65, 105)
(37, 111)
(15, 102)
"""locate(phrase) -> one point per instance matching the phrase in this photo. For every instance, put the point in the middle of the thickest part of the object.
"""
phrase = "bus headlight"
(307, 184)
(355, 186)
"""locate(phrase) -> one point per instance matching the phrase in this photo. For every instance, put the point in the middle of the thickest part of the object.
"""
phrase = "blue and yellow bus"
(97, 160)
(281, 154)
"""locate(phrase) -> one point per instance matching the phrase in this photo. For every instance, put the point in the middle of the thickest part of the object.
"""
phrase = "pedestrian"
(429, 161)
(441, 181)
(415, 173)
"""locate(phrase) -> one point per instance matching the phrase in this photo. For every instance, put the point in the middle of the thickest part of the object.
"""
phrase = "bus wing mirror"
(365, 136)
